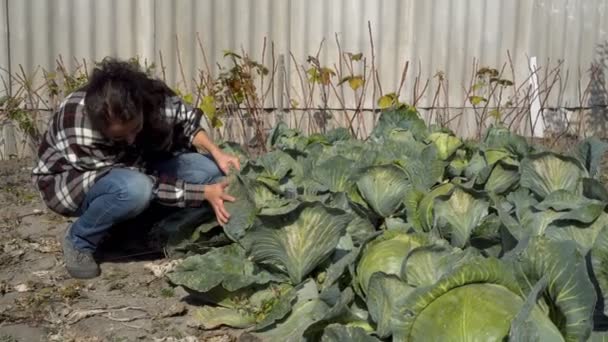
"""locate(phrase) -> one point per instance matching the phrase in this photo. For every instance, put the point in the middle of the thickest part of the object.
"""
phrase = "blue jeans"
(123, 194)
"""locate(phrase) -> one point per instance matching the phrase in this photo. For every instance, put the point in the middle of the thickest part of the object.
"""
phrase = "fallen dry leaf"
(159, 269)
(22, 288)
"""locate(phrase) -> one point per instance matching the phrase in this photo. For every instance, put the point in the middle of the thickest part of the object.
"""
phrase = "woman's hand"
(215, 195)
(225, 160)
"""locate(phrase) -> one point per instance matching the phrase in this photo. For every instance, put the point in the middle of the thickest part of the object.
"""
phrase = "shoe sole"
(78, 274)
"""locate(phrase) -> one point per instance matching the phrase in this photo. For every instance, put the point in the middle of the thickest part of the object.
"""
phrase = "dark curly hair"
(121, 91)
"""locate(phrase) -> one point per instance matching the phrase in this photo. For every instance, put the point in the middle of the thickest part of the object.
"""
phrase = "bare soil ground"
(40, 302)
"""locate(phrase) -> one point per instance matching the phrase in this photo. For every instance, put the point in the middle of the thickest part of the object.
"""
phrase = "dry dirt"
(40, 302)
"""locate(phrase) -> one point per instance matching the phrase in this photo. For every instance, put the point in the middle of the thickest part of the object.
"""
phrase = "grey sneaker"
(80, 264)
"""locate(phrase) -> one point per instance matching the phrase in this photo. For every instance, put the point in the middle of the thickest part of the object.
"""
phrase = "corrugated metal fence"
(435, 36)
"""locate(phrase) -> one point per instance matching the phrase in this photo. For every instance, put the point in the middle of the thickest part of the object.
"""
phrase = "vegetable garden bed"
(411, 235)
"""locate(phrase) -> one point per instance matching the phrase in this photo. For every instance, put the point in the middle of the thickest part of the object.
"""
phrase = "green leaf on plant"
(387, 101)
(475, 100)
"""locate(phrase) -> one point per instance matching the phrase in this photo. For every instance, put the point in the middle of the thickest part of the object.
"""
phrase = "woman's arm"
(190, 119)
(202, 142)
(224, 161)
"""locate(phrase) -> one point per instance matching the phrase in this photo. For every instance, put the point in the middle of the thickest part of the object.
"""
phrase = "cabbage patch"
(413, 234)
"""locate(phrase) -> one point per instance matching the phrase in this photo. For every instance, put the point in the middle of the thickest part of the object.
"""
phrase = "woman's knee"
(133, 189)
(198, 168)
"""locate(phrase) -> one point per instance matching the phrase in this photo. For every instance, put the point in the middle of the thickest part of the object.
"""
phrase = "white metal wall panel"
(433, 35)
(42, 30)
(4, 39)
(441, 35)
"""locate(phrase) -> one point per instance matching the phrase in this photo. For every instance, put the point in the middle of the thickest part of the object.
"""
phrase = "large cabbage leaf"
(399, 118)
(382, 294)
(235, 149)
(242, 212)
(312, 312)
(590, 153)
(477, 168)
(335, 173)
(460, 213)
(446, 144)
(340, 311)
(394, 151)
(594, 189)
(477, 311)
(425, 265)
(582, 234)
(563, 200)
(427, 205)
(340, 333)
(523, 326)
(211, 317)
(280, 134)
(306, 310)
(494, 155)
(570, 292)
(363, 153)
(227, 266)
(502, 178)
(268, 202)
(299, 243)
(599, 264)
(384, 188)
(479, 298)
(338, 134)
(246, 308)
(501, 137)
(562, 215)
(412, 207)
(536, 223)
(426, 171)
(277, 164)
(546, 172)
(386, 254)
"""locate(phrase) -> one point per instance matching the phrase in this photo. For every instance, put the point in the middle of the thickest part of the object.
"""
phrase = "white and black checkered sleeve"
(186, 116)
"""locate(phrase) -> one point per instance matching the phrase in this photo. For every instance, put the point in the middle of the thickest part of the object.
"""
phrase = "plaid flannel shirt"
(72, 156)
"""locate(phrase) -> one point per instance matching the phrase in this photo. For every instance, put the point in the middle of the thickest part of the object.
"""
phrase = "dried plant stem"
(246, 116)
